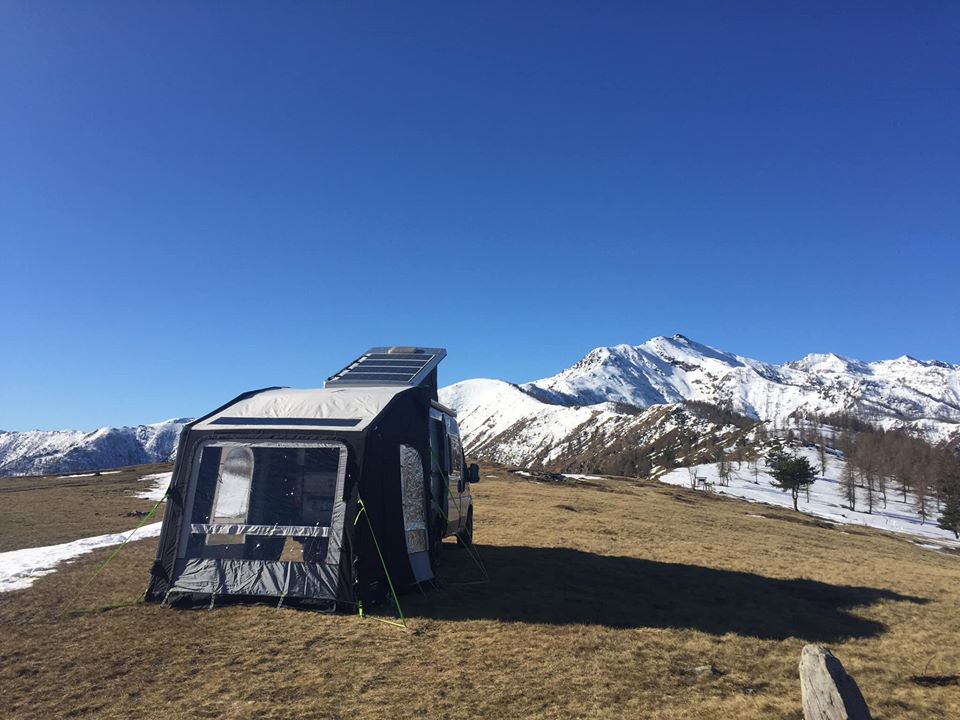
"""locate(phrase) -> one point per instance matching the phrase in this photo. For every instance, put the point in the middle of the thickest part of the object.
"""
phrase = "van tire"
(465, 536)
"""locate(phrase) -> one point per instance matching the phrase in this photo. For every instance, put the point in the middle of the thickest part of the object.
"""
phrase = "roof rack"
(396, 365)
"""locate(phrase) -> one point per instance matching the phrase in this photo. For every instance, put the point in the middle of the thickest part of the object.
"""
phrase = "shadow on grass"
(561, 586)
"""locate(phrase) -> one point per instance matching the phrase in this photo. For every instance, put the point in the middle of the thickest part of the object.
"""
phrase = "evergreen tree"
(791, 472)
(950, 517)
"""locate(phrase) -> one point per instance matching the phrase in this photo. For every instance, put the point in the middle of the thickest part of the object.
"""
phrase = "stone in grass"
(706, 670)
(828, 692)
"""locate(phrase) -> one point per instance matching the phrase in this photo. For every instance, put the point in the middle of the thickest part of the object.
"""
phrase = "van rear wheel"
(465, 536)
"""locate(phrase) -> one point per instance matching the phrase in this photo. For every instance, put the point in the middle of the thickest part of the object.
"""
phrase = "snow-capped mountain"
(891, 393)
(38, 452)
(616, 392)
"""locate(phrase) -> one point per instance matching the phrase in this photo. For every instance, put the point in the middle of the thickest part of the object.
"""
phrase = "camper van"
(322, 496)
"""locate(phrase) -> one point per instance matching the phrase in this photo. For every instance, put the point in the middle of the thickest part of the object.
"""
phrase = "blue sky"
(197, 199)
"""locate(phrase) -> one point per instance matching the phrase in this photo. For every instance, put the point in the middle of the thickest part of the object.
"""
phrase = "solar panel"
(390, 366)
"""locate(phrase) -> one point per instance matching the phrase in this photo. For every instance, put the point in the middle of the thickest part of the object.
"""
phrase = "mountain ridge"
(48, 452)
(612, 396)
(675, 369)
(618, 408)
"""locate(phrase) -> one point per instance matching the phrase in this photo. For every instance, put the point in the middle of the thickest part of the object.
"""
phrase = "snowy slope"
(502, 423)
(826, 499)
(495, 412)
(893, 393)
(38, 452)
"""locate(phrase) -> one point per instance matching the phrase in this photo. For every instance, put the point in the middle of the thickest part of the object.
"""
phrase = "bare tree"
(922, 500)
(723, 467)
(849, 485)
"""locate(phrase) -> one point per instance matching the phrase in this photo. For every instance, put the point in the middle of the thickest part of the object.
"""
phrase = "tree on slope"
(922, 501)
(791, 472)
(950, 517)
(724, 470)
(849, 485)
(950, 494)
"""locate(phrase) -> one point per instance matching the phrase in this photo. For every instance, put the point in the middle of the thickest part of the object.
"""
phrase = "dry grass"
(601, 602)
(54, 509)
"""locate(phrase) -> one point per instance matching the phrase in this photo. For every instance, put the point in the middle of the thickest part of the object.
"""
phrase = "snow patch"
(158, 488)
(19, 569)
(93, 474)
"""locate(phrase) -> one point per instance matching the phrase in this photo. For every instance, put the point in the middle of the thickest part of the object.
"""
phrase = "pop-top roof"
(407, 366)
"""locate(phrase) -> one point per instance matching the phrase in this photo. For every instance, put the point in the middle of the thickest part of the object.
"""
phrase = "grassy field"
(37, 511)
(605, 599)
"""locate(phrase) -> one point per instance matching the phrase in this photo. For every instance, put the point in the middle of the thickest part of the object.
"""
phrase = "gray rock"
(706, 670)
(828, 692)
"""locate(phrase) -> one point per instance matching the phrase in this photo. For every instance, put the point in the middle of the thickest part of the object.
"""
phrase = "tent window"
(265, 501)
(233, 487)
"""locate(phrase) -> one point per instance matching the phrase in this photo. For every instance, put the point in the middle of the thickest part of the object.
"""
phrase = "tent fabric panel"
(254, 578)
(381, 489)
(336, 404)
(338, 514)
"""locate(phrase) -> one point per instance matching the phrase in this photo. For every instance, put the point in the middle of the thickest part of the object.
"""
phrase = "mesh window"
(264, 503)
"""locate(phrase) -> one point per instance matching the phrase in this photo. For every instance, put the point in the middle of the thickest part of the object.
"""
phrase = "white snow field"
(159, 482)
(827, 500)
(20, 568)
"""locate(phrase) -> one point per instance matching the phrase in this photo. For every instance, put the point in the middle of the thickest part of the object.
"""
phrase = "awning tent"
(312, 496)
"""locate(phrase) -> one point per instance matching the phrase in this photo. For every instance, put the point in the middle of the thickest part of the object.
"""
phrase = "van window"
(439, 455)
(456, 459)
